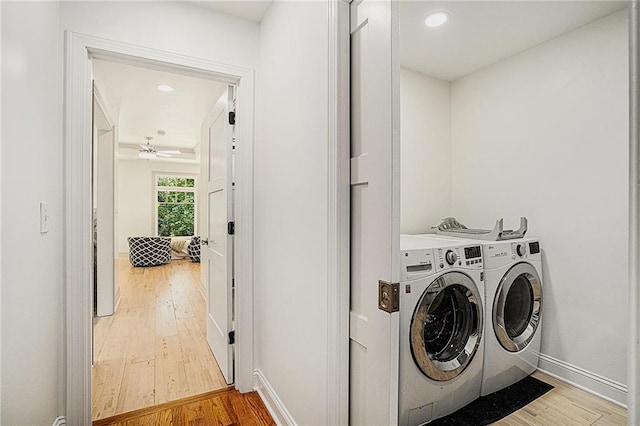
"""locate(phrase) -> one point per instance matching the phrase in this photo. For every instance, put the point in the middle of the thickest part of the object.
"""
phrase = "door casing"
(77, 184)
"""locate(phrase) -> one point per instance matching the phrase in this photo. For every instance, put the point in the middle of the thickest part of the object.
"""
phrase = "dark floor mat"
(495, 406)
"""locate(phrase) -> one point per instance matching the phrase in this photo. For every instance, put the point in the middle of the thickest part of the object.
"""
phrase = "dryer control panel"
(462, 257)
(502, 253)
(525, 249)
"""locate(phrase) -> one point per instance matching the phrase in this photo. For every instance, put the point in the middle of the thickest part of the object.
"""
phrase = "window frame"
(157, 188)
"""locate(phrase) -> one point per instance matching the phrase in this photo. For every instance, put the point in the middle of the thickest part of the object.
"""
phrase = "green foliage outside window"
(176, 209)
(177, 181)
(175, 220)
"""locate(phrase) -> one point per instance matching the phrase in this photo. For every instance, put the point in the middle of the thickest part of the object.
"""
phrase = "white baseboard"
(590, 382)
(60, 421)
(271, 400)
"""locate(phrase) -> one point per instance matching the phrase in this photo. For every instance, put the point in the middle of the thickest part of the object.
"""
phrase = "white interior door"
(375, 223)
(219, 251)
(104, 199)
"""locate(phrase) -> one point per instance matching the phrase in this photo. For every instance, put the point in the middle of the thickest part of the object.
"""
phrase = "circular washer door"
(517, 307)
(446, 326)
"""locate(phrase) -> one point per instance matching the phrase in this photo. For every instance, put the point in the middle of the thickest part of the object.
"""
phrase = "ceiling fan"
(149, 152)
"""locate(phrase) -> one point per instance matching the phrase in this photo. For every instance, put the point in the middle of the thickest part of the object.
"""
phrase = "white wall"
(425, 154)
(32, 56)
(544, 134)
(291, 208)
(171, 26)
(32, 290)
(136, 197)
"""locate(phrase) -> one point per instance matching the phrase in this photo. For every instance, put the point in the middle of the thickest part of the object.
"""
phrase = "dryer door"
(446, 326)
(517, 306)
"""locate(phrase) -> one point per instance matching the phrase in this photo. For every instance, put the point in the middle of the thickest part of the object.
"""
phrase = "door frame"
(79, 48)
(633, 349)
(338, 212)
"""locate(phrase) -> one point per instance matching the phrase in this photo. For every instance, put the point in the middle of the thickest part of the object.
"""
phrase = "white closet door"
(375, 219)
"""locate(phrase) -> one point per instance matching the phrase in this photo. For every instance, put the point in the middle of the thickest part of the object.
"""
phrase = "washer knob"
(520, 249)
(451, 257)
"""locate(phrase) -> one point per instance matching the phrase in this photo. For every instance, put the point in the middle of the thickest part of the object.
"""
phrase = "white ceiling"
(140, 109)
(480, 33)
(245, 9)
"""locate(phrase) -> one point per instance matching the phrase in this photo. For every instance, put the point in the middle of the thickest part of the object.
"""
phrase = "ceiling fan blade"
(146, 155)
(162, 154)
(145, 147)
(174, 152)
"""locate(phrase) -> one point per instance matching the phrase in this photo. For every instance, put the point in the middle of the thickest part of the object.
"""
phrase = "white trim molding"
(590, 382)
(77, 186)
(338, 213)
(271, 400)
(633, 350)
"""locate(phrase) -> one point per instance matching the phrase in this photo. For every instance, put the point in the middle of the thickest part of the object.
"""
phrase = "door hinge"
(231, 228)
(232, 117)
(388, 296)
(232, 337)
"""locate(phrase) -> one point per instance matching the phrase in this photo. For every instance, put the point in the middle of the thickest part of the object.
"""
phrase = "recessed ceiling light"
(164, 88)
(436, 19)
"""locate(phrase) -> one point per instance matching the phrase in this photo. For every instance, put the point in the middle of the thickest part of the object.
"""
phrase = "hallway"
(153, 349)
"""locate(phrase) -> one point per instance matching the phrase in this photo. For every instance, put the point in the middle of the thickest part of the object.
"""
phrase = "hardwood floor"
(222, 407)
(564, 405)
(567, 406)
(153, 349)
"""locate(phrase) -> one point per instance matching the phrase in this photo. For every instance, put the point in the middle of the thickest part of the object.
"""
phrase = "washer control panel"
(417, 264)
(465, 257)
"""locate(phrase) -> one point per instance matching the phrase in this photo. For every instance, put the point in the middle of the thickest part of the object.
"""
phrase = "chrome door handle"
(204, 241)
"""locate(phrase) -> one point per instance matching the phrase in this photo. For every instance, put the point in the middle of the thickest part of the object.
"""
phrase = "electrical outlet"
(44, 217)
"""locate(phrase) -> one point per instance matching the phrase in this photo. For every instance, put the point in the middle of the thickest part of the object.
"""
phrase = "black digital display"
(534, 248)
(472, 252)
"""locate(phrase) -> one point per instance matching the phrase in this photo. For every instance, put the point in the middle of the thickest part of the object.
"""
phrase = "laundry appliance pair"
(470, 320)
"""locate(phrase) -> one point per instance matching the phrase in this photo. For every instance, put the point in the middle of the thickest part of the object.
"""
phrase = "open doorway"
(78, 244)
(149, 327)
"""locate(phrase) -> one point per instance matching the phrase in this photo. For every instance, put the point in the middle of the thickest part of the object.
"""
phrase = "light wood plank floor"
(567, 406)
(562, 406)
(153, 349)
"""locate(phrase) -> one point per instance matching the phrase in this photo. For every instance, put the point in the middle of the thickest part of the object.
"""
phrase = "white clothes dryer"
(441, 326)
(513, 289)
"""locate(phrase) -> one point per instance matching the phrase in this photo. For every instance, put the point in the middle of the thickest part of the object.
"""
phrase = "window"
(175, 205)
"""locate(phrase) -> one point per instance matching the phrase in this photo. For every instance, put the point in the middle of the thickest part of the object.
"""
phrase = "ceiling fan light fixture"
(146, 155)
(164, 88)
(436, 19)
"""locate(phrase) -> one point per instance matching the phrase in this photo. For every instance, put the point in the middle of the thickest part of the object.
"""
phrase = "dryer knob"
(451, 257)
(521, 250)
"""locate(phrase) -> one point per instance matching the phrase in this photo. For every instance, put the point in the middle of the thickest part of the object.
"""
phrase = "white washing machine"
(513, 289)
(441, 326)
